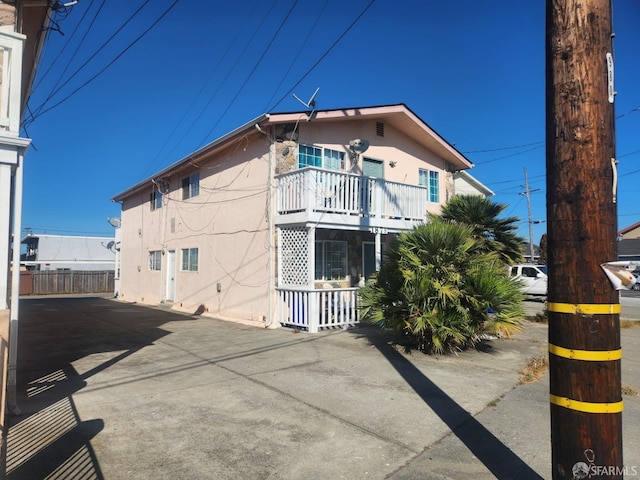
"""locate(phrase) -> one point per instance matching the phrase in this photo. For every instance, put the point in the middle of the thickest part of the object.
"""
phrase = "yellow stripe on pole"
(587, 355)
(584, 308)
(586, 407)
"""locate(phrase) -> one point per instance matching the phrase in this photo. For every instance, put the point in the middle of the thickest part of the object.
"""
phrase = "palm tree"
(483, 216)
(440, 286)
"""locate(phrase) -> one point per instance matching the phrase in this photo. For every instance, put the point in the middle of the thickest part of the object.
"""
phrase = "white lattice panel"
(293, 261)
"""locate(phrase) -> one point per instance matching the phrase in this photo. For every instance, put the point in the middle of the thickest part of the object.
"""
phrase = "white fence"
(313, 189)
(316, 309)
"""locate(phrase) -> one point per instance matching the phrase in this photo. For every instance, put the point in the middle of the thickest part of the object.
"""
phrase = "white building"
(60, 252)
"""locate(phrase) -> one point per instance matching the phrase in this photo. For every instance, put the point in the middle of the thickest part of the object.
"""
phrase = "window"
(434, 186)
(331, 260)
(430, 179)
(156, 200)
(155, 260)
(333, 159)
(189, 259)
(191, 186)
(310, 156)
(372, 168)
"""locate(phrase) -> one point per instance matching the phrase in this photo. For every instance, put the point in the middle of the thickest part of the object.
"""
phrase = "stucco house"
(465, 184)
(279, 221)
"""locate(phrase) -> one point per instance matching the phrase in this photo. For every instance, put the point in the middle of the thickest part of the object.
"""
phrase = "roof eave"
(185, 160)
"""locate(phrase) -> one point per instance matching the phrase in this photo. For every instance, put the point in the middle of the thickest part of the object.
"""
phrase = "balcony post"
(312, 298)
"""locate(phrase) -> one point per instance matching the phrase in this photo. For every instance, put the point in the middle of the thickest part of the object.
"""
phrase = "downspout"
(270, 220)
(12, 404)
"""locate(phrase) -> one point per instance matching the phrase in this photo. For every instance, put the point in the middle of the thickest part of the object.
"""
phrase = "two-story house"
(280, 220)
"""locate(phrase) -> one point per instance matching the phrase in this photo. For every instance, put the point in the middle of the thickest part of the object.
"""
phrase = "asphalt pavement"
(111, 390)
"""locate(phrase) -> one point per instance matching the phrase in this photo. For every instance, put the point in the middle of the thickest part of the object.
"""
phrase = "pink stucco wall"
(227, 223)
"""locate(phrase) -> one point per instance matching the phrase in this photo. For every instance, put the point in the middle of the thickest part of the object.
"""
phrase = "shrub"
(440, 286)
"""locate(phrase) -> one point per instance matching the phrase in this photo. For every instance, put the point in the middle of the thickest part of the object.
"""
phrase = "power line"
(297, 55)
(101, 71)
(54, 88)
(255, 67)
(55, 60)
(504, 148)
(57, 88)
(322, 57)
(512, 155)
(204, 85)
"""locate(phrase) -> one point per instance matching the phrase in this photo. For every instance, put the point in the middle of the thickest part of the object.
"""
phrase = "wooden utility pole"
(584, 323)
(527, 193)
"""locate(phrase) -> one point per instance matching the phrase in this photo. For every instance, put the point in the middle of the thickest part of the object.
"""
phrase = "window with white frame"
(331, 260)
(155, 260)
(311, 156)
(189, 260)
(434, 186)
(191, 186)
(156, 200)
(430, 179)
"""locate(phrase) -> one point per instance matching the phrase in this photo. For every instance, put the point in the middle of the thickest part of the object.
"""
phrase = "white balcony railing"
(313, 310)
(11, 45)
(316, 190)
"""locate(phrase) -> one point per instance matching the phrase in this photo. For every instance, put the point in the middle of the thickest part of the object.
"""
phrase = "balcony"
(344, 200)
(11, 45)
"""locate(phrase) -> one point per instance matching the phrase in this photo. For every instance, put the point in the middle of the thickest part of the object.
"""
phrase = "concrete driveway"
(110, 390)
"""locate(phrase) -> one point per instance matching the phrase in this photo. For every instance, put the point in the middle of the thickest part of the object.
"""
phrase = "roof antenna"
(310, 104)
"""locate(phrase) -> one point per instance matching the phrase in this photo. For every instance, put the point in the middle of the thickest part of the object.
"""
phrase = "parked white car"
(533, 278)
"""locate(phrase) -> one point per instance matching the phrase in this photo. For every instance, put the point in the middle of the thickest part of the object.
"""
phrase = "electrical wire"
(214, 70)
(61, 51)
(253, 70)
(101, 71)
(58, 88)
(324, 55)
(508, 156)
(504, 148)
(297, 55)
(55, 88)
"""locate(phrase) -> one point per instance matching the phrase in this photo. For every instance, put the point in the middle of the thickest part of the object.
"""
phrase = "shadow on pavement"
(501, 461)
(49, 439)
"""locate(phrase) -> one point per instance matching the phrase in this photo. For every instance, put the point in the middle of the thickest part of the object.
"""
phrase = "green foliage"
(499, 234)
(440, 286)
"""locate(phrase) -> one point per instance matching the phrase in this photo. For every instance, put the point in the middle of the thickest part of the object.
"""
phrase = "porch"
(314, 195)
(312, 309)
(320, 271)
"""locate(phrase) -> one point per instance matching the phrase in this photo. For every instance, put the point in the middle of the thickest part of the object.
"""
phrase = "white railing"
(11, 45)
(313, 310)
(316, 190)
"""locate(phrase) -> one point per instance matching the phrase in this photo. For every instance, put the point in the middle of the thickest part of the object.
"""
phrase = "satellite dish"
(110, 245)
(309, 104)
(359, 145)
(114, 222)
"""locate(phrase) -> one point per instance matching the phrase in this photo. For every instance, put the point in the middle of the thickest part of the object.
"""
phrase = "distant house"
(61, 252)
(629, 243)
(279, 221)
(465, 184)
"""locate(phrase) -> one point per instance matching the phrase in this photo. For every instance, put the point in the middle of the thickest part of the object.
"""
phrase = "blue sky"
(106, 114)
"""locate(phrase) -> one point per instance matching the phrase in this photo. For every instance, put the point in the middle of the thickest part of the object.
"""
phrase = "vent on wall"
(380, 129)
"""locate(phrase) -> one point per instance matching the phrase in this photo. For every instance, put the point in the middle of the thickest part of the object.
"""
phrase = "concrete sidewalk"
(116, 391)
